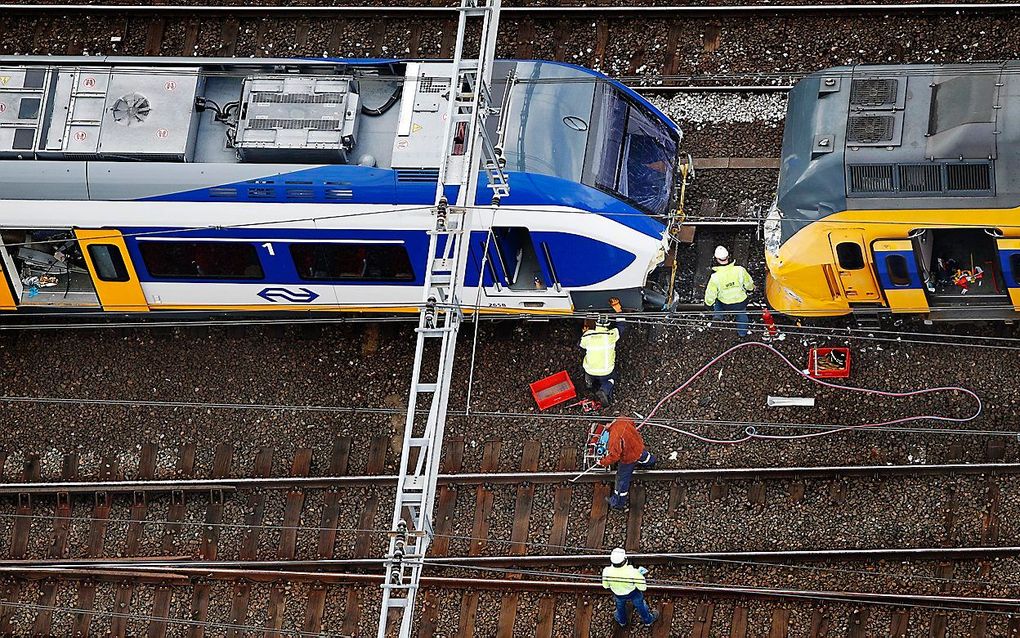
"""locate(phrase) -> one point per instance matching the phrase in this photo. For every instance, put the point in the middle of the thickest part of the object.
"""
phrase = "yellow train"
(899, 191)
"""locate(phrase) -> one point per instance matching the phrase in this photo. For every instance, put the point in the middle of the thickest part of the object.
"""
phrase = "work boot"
(602, 398)
(617, 503)
(655, 618)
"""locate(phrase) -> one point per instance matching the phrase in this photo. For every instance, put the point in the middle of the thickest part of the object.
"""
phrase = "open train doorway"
(46, 267)
(960, 266)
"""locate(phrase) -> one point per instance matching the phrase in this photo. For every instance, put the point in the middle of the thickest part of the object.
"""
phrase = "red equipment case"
(832, 373)
(553, 390)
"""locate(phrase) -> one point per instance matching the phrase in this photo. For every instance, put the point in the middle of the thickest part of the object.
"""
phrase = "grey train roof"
(129, 128)
(901, 137)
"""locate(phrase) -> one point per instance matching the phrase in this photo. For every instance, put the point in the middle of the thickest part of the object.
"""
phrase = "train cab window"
(634, 155)
(354, 261)
(897, 267)
(849, 255)
(108, 262)
(201, 259)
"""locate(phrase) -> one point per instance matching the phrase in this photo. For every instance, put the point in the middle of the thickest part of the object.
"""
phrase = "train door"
(45, 267)
(902, 280)
(512, 264)
(10, 285)
(113, 274)
(854, 273)
(960, 267)
(1009, 260)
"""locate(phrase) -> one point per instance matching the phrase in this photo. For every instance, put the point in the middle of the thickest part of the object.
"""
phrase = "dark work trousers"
(606, 383)
(636, 598)
(738, 310)
(624, 472)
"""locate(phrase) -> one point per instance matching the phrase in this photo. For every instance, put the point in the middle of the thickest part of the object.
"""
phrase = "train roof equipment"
(887, 137)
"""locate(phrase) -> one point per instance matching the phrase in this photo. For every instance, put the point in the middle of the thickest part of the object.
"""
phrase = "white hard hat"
(721, 254)
(618, 556)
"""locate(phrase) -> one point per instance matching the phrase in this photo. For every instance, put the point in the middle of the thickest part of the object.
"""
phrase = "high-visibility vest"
(623, 580)
(728, 284)
(600, 350)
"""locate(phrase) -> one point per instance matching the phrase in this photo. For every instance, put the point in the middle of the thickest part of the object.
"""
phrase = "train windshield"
(585, 130)
(633, 154)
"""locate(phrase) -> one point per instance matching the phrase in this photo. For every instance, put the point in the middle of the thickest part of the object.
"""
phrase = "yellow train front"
(899, 191)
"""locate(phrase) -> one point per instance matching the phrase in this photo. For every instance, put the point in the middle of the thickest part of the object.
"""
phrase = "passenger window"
(362, 262)
(108, 262)
(897, 267)
(850, 255)
(201, 259)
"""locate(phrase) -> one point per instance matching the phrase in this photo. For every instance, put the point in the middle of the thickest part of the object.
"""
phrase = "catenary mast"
(441, 315)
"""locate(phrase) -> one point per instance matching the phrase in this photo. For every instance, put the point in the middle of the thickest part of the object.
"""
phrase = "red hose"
(751, 433)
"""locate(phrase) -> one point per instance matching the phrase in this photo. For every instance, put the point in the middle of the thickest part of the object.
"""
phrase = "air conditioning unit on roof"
(297, 118)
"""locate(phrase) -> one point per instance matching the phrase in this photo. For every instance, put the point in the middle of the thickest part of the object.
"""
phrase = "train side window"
(1014, 265)
(108, 262)
(897, 267)
(359, 262)
(201, 259)
(850, 255)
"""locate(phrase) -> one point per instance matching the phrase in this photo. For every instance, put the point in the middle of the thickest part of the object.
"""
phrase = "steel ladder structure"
(467, 150)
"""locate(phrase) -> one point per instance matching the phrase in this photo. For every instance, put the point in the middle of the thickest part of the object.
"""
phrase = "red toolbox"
(553, 390)
(831, 363)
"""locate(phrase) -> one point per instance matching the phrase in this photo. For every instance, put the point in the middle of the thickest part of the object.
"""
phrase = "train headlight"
(772, 229)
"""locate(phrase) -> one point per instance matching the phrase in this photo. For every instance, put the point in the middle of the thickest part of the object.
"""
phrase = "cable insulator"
(430, 322)
(442, 214)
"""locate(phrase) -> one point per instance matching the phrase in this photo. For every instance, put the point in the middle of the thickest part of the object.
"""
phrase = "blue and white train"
(211, 186)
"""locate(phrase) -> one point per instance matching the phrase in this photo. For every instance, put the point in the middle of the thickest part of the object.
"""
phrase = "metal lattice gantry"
(441, 314)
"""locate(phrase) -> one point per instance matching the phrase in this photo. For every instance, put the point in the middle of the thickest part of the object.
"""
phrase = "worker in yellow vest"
(727, 289)
(599, 342)
(628, 585)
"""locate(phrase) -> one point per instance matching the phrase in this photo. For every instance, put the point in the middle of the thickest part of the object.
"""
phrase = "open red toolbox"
(553, 390)
(831, 363)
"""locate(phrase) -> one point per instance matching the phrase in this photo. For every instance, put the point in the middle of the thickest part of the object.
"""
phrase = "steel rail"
(779, 557)
(722, 88)
(564, 586)
(326, 482)
(304, 10)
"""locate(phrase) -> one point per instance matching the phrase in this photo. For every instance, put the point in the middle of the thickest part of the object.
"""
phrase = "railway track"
(484, 513)
(698, 45)
(291, 545)
(343, 605)
(588, 8)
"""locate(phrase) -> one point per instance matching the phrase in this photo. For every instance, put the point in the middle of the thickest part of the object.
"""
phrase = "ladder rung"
(432, 332)
(425, 387)
(418, 441)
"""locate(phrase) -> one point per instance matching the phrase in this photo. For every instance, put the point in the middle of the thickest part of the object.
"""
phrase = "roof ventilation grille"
(869, 129)
(920, 178)
(968, 177)
(870, 93)
(871, 178)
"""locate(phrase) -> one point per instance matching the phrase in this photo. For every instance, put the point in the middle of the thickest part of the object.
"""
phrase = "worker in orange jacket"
(626, 446)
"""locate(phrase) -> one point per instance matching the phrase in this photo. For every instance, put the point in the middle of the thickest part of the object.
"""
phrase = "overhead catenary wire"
(580, 418)
(815, 596)
(692, 557)
(680, 318)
